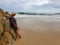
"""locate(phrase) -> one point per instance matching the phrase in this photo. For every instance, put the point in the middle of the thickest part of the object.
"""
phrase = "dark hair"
(13, 14)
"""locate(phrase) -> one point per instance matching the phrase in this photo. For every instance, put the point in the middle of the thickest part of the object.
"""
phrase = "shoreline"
(38, 32)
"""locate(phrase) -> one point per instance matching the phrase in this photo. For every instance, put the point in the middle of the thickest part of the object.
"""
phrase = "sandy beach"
(38, 31)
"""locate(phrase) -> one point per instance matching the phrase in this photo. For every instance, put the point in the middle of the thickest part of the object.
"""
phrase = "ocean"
(39, 29)
(38, 22)
(41, 17)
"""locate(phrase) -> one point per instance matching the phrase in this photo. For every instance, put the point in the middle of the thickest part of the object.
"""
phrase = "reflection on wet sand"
(38, 32)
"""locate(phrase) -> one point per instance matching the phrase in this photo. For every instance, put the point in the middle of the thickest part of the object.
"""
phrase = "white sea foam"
(39, 22)
(42, 17)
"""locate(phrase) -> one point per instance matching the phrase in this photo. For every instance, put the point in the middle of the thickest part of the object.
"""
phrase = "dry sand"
(38, 32)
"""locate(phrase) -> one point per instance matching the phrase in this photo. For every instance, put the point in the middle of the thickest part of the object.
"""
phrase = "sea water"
(39, 22)
(41, 17)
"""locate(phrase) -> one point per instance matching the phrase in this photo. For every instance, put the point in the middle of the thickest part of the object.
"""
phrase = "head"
(13, 14)
(6, 14)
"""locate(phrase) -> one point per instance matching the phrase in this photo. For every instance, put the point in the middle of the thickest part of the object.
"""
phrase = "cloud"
(56, 2)
(23, 4)
(29, 5)
(27, 2)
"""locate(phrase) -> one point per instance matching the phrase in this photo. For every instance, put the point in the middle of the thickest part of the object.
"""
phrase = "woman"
(13, 24)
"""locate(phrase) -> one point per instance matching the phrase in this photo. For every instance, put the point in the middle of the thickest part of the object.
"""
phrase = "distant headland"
(39, 13)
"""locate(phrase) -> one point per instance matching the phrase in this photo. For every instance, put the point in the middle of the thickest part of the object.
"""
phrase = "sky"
(32, 6)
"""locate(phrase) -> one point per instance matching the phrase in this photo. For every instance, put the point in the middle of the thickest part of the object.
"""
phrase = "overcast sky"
(38, 6)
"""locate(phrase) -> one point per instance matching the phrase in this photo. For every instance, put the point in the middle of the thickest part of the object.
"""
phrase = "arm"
(14, 26)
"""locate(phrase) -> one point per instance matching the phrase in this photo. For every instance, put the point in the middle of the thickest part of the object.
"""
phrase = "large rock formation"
(8, 34)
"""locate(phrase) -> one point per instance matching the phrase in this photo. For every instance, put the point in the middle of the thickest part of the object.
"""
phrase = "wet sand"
(35, 31)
